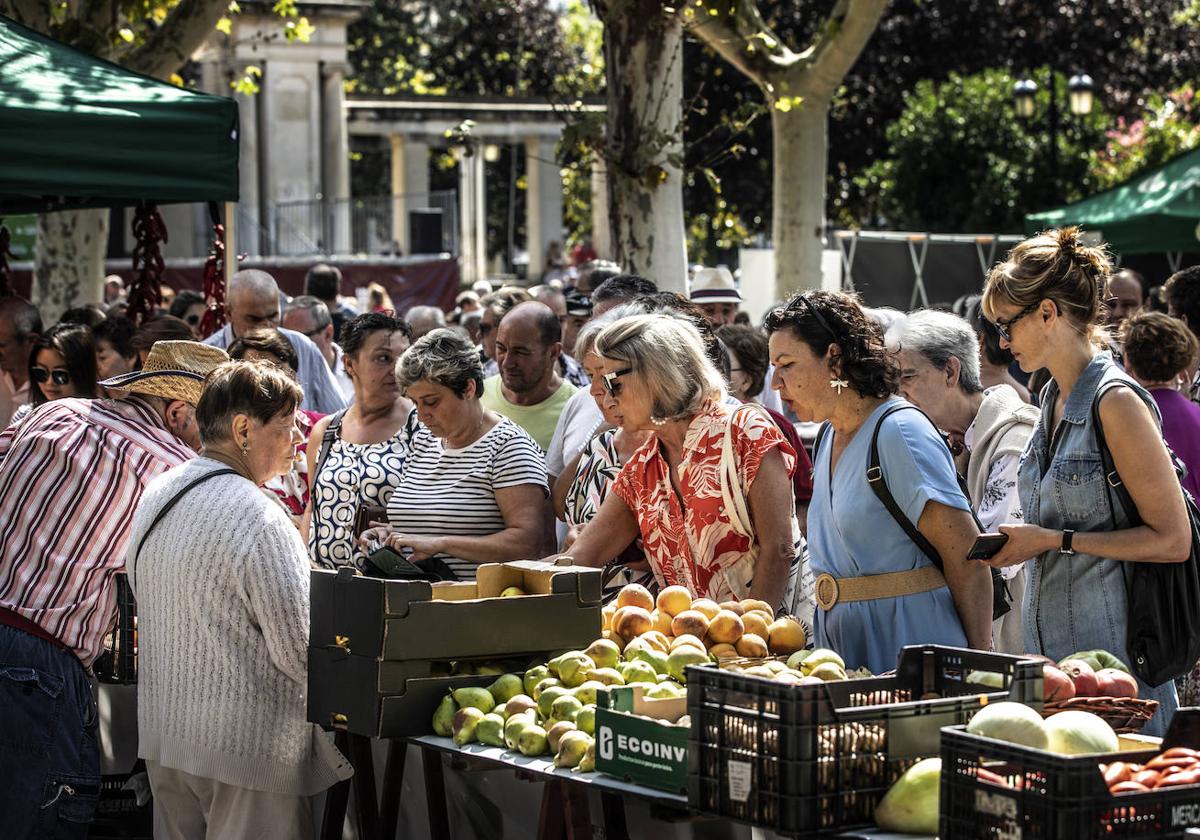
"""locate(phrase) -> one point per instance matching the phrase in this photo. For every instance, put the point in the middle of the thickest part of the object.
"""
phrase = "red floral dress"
(688, 543)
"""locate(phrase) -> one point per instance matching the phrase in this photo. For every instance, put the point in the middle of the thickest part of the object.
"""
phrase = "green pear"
(656, 658)
(490, 730)
(565, 708)
(818, 657)
(604, 653)
(665, 690)
(532, 740)
(572, 668)
(793, 661)
(640, 671)
(588, 763)
(634, 647)
(547, 698)
(586, 693)
(475, 698)
(466, 720)
(515, 725)
(555, 733)
(681, 658)
(534, 676)
(548, 682)
(665, 678)
(463, 669)
(505, 688)
(443, 718)
(519, 703)
(571, 748)
(608, 676)
(585, 721)
(489, 669)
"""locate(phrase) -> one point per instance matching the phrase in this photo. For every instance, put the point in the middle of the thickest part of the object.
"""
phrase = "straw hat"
(174, 370)
(714, 285)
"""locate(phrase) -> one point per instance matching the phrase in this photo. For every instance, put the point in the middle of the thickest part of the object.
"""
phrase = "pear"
(587, 764)
(519, 703)
(466, 720)
(534, 676)
(775, 666)
(554, 733)
(443, 717)
(548, 696)
(512, 592)
(515, 725)
(549, 682)
(640, 671)
(475, 698)
(793, 661)
(532, 740)
(828, 671)
(604, 653)
(505, 688)
(572, 668)
(681, 658)
(607, 676)
(656, 658)
(665, 691)
(585, 721)
(818, 657)
(571, 748)
(664, 678)
(565, 708)
(586, 693)
(489, 669)
(634, 646)
(490, 730)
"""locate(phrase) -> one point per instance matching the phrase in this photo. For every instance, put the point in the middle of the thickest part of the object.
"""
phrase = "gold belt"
(831, 590)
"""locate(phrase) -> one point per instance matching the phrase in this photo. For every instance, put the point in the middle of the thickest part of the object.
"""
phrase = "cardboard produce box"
(379, 618)
(638, 740)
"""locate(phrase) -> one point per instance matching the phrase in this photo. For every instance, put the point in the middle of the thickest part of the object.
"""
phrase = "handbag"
(1163, 628)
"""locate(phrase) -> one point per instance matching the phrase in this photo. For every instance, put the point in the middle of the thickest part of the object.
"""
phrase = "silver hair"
(432, 313)
(315, 307)
(667, 354)
(939, 336)
(587, 335)
(258, 283)
(444, 357)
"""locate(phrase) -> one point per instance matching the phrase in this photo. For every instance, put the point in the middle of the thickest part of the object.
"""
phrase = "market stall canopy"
(1158, 211)
(77, 131)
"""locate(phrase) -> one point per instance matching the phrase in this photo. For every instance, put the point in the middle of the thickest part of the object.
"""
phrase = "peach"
(762, 606)
(732, 606)
(606, 614)
(657, 640)
(690, 622)
(725, 628)
(686, 639)
(635, 595)
(724, 651)
(673, 600)
(785, 635)
(661, 621)
(629, 622)
(707, 606)
(753, 622)
(751, 646)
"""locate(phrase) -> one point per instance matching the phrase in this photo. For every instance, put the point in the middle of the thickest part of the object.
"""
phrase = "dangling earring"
(245, 447)
(838, 384)
(658, 421)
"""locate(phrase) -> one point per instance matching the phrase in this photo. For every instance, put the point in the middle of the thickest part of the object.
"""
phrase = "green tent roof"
(1155, 212)
(78, 131)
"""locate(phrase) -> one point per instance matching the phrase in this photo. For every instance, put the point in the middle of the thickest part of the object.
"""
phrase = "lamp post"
(1081, 92)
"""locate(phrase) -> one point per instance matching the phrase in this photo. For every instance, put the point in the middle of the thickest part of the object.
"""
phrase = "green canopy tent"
(1155, 212)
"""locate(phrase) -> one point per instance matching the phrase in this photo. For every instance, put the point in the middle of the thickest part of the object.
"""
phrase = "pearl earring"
(658, 421)
(838, 385)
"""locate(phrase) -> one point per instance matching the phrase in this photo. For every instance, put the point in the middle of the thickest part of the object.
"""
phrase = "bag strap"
(331, 431)
(732, 495)
(1112, 478)
(165, 509)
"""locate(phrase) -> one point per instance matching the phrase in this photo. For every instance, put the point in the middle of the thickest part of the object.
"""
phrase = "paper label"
(740, 775)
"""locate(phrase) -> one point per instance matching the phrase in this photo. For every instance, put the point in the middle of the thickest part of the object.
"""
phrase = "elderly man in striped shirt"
(70, 477)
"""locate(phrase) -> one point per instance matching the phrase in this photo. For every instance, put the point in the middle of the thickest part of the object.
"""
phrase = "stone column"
(249, 198)
(601, 233)
(473, 215)
(410, 184)
(543, 201)
(335, 159)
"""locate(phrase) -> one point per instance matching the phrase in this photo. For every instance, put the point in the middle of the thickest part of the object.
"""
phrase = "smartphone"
(986, 546)
(393, 564)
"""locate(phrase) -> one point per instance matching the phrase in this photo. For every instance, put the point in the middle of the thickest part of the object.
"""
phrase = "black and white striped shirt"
(453, 491)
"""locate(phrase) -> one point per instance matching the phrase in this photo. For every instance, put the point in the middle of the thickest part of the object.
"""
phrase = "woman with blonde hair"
(1046, 302)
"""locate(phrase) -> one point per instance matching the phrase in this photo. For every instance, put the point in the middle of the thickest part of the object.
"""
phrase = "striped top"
(453, 491)
(71, 476)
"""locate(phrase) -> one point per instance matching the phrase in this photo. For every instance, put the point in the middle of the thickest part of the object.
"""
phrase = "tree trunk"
(643, 49)
(68, 265)
(798, 219)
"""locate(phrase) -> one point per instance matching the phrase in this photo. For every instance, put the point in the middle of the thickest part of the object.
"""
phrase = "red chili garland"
(145, 292)
(214, 283)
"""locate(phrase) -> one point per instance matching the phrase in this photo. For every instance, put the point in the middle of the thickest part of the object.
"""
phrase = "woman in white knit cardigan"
(222, 582)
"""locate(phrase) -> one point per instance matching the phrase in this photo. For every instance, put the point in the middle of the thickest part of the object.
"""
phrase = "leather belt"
(831, 590)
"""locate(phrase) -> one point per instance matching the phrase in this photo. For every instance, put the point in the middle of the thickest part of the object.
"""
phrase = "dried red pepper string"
(145, 292)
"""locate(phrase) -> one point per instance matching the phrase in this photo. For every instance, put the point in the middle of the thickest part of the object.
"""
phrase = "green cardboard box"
(640, 740)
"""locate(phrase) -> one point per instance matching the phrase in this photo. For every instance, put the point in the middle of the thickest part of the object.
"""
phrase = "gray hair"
(255, 281)
(432, 314)
(587, 335)
(940, 336)
(316, 309)
(668, 355)
(26, 320)
(445, 358)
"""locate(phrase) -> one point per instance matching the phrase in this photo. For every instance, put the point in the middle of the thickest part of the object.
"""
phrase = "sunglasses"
(1004, 328)
(41, 376)
(192, 320)
(610, 383)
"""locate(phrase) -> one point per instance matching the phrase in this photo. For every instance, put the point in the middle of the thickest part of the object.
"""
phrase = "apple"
(1058, 685)
(1083, 676)
(1112, 682)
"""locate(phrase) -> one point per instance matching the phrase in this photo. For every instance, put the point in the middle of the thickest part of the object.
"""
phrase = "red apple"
(1082, 675)
(1115, 683)
(1058, 685)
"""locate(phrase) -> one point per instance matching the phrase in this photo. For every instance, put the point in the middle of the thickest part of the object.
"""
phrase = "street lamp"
(1024, 92)
(1081, 91)
(1080, 98)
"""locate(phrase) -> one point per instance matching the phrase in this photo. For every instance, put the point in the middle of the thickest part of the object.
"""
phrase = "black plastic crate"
(1058, 797)
(117, 662)
(818, 758)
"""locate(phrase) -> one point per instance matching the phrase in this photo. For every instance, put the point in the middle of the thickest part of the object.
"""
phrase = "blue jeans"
(50, 772)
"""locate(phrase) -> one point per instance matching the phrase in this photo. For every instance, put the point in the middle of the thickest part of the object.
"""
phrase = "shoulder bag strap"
(822, 433)
(331, 431)
(1112, 478)
(732, 495)
(878, 483)
(165, 509)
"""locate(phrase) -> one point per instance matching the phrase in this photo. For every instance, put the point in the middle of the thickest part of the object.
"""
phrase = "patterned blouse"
(688, 540)
(598, 468)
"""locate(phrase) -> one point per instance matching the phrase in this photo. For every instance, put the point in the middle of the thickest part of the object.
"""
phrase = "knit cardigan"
(222, 587)
(1003, 426)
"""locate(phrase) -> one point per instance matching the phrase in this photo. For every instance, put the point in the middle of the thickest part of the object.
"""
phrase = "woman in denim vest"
(1046, 302)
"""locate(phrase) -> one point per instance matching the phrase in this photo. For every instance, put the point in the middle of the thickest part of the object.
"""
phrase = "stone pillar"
(601, 233)
(249, 198)
(335, 159)
(410, 184)
(543, 201)
(473, 215)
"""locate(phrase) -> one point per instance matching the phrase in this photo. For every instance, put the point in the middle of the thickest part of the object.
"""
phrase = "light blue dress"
(1078, 602)
(850, 534)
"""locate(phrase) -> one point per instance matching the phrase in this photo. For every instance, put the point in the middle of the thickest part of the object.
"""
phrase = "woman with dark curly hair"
(877, 587)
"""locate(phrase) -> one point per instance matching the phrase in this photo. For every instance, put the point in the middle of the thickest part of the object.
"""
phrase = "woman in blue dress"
(1045, 300)
(877, 590)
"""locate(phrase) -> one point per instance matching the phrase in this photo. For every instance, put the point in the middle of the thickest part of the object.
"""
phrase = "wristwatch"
(1068, 536)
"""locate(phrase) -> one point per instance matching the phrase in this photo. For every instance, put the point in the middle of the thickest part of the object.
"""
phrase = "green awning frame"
(77, 131)
(1155, 212)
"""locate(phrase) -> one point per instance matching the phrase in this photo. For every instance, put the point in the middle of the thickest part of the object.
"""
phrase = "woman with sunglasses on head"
(1045, 300)
(878, 589)
(62, 364)
(724, 538)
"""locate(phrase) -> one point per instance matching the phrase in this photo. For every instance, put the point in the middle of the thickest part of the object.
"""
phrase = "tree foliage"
(1169, 125)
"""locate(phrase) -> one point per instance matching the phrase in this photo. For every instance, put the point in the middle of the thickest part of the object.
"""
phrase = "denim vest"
(1077, 602)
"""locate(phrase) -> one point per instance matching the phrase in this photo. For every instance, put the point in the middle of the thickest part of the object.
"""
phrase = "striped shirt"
(70, 478)
(452, 492)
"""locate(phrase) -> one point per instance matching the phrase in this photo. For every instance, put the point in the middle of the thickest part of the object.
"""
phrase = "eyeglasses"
(192, 320)
(60, 376)
(610, 383)
(1004, 328)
